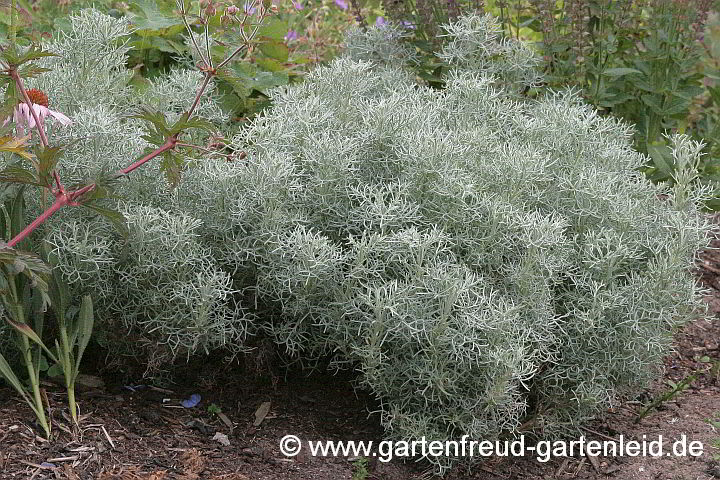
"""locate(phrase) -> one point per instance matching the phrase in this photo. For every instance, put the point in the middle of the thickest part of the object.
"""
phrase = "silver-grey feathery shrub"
(485, 261)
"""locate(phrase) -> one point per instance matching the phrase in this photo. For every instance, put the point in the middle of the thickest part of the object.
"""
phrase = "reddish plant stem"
(57, 180)
(208, 75)
(190, 145)
(79, 193)
(234, 53)
(192, 38)
(18, 81)
(60, 201)
(168, 145)
(204, 149)
(62, 198)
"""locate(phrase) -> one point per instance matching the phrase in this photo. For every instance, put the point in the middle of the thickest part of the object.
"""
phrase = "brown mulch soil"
(144, 434)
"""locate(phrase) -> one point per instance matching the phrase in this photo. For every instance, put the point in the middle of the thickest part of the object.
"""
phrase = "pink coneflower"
(22, 115)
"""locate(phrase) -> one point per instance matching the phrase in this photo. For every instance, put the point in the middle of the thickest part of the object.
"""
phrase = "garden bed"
(146, 434)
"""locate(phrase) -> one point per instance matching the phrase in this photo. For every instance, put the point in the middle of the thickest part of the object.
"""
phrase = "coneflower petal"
(25, 116)
(29, 118)
(60, 117)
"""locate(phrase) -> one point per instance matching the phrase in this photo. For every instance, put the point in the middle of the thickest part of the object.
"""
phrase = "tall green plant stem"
(38, 406)
(69, 371)
(37, 397)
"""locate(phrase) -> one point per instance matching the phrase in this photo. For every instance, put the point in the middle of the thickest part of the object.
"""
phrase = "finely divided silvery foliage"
(379, 45)
(92, 54)
(478, 45)
(487, 262)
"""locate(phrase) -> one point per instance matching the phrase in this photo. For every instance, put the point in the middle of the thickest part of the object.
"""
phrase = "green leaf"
(676, 105)
(27, 264)
(239, 86)
(613, 99)
(15, 145)
(172, 166)
(12, 98)
(274, 49)
(47, 159)
(275, 29)
(85, 322)
(260, 80)
(35, 52)
(159, 131)
(184, 123)
(232, 104)
(42, 365)
(654, 102)
(156, 43)
(57, 288)
(25, 329)
(13, 380)
(619, 72)
(16, 208)
(139, 83)
(662, 158)
(31, 71)
(689, 91)
(642, 84)
(151, 21)
(18, 174)
(269, 64)
(715, 94)
(55, 371)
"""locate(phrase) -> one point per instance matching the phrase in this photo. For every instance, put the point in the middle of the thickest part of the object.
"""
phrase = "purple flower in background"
(408, 25)
(342, 4)
(298, 5)
(291, 35)
(249, 8)
(380, 22)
